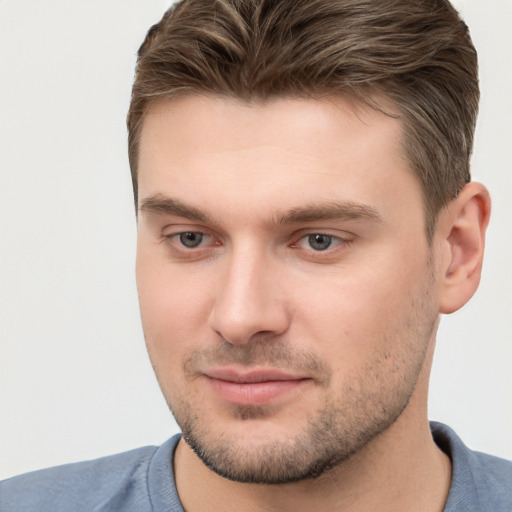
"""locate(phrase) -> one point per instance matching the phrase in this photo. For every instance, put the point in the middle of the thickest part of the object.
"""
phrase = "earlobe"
(466, 220)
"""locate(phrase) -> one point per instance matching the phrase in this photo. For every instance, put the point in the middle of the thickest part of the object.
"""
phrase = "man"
(305, 214)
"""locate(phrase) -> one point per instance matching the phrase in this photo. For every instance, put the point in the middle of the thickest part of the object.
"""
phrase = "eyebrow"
(168, 206)
(333, 210)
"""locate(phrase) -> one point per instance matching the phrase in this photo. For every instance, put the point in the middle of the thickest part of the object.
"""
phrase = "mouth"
(255, 387)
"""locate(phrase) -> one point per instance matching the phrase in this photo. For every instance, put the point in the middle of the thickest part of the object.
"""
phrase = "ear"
(464, 224)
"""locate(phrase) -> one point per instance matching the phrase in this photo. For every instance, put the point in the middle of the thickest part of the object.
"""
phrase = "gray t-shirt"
(142, 480)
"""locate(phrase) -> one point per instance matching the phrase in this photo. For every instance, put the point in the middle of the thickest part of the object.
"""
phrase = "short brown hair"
(417, 53)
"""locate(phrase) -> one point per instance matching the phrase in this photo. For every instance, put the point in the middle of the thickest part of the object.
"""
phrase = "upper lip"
(251, 376)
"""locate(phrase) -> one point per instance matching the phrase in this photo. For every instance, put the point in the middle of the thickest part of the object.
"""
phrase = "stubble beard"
(346, 422)
(329, 438)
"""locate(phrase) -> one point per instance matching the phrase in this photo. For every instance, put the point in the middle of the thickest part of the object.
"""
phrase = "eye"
(191, 239)
(182, 245)
(320, 242)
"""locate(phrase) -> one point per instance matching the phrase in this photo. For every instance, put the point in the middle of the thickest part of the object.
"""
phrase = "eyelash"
(309, 239)
(176, 242)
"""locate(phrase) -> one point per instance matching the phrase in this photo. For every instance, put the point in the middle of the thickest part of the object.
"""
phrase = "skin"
(289, 237)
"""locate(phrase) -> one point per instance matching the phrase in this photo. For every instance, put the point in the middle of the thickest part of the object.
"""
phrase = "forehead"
(284, 152)
(291, 120)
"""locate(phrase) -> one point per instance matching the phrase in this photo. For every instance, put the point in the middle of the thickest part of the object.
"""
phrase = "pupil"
(319, 242)
(191, 239)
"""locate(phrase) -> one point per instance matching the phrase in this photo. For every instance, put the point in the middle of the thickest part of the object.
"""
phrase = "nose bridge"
(248, 299)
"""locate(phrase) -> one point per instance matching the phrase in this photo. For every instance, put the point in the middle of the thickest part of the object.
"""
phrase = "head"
(300, 174)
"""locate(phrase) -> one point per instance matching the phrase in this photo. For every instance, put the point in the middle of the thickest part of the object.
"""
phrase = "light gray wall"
(75, 382)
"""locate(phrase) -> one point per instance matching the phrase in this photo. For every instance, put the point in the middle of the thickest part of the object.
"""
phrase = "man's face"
(287, 290)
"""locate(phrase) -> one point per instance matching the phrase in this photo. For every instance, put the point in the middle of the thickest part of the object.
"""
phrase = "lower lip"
(254, 393)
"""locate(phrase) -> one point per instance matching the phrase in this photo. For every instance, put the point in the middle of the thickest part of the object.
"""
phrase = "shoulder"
(116, 482)
(492, 477)
(479, 481)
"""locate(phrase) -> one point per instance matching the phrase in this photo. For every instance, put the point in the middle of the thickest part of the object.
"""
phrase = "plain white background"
(75, 381)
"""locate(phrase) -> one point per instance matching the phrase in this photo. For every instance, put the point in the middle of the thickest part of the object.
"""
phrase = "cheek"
(357, 313)
(174, 309)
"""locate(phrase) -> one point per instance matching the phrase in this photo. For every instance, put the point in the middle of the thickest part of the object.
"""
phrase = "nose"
(249, 301)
